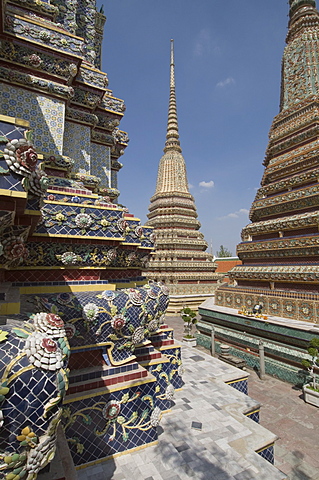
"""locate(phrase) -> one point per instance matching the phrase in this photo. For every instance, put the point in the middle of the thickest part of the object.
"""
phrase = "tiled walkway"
(205, 436)
(223, 449)
(284, 413)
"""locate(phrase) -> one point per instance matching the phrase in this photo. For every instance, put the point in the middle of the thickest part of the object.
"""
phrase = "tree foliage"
(223, 252)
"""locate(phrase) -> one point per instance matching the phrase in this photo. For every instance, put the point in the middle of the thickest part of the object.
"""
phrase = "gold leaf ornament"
(3, 335)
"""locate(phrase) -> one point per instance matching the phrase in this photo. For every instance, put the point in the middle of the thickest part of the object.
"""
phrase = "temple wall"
(285, 342)
(114, 179)
(101, 163)
(77, 145)
(45, 114)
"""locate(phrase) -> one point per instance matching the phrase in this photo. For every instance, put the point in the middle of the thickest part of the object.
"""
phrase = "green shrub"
(189, 317)
(313, 350)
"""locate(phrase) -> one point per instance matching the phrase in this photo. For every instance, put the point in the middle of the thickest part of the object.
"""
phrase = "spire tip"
(172, 136)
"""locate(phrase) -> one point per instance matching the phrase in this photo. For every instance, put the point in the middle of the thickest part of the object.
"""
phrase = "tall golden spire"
(180, 259)
(172, 135)
(172, 175)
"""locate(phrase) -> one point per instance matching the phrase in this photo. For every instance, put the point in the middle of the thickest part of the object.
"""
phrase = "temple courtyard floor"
(206, 436)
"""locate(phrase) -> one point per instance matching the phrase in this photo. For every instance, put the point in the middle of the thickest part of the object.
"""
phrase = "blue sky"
(227, 70)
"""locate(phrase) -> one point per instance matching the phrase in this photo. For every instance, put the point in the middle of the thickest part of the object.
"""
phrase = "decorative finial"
(302, 14)
(295, 4)
(172, 135)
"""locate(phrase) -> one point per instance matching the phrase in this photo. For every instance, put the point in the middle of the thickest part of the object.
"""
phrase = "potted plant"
(311, 390)
(189, 317)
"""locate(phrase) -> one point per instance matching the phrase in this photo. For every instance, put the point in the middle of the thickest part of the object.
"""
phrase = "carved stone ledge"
(277, 273)
(289, 183)
(302, 220)
(279, 244)
(306, 202)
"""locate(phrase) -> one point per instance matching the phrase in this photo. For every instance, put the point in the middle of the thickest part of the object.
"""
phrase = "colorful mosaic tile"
(114, 179)
(98, 426)
(101, 163)
(279, 248)
(66, 239)
(164, 388)
(77, 145)
(45, 114)
(240, 385)
(59, 40)
(119, 320)
(82, 255)
(253, 416)
(11, 131)
(175, 366)
(33, 383)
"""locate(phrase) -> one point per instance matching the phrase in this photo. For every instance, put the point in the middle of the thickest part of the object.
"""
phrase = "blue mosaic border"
(240, 385)
(253, 416)
(268, 454)
(279, 368)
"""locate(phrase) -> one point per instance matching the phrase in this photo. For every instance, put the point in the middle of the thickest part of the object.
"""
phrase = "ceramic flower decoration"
(83, 220)
(111, 254)
(90, 312)
(152, 326)
(170, 392)
(111, 410)
(69, 258)
(118, 322)
(156, 417)
(14, 248)
(49, 323)
(43, 352)
(135, 296)
(20, 156)
(138, 335)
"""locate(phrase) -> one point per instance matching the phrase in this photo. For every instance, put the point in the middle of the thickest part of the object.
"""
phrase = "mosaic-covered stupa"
(82, 335)
(280, 247)
(180, 259)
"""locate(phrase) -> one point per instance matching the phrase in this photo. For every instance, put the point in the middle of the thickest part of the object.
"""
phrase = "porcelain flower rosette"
(47, 347)
(21, 159)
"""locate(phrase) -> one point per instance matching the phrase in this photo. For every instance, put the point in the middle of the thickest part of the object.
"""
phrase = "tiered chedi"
(280, 247)
(70, 254)
(180, 260)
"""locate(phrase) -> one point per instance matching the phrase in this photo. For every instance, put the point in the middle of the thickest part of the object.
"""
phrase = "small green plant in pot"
(313, 350)
(189, 317)
(311, 391)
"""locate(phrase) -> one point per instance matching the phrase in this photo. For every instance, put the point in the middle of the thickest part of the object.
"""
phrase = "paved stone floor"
(295, 422)
(224, 448)
(284, 413)
(205, 436)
